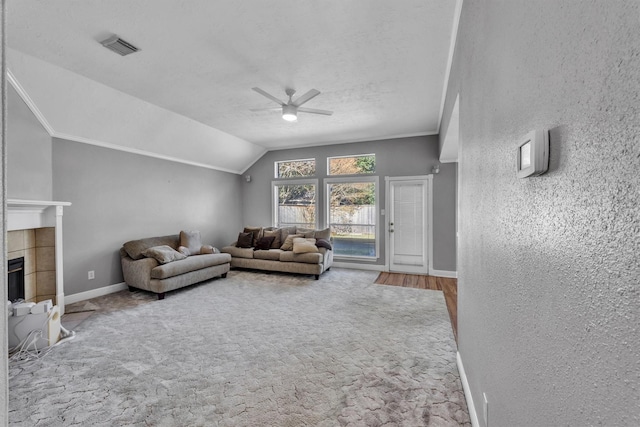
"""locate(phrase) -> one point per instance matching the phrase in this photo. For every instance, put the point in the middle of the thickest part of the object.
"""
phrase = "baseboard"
(370, 267)
(377, 267)
(444, 273)
(83, 296)
(467, 392)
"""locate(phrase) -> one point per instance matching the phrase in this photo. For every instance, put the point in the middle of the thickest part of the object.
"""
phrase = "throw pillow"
(276, 237)
(323, 243)
(303, 246)
(134, 248)
(184, 251)
(288, 242)
(264, 243)
(163, 254)
(245, 240)
(256, 231)
(323, 234)
(207, 249)
(191, 241)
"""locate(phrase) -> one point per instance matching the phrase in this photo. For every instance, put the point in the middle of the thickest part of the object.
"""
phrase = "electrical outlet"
(92, 275)
(485, 406)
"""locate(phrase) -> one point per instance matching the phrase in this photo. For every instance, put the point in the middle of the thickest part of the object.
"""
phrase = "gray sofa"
(143, 271)
(276, 259)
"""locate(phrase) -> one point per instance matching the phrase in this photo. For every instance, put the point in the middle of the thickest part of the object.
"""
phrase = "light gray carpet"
(254, 349)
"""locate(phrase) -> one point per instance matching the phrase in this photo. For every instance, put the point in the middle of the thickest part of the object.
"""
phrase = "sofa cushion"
(134, 248)
(163, 254)
(303, 246)
(192, 263)
(307, 233)
(309, 258)
(323, 234)
(257, 234)
(277, 241)
(245, 240)
(285, 231)
(288, 242)
(191, 241)
(237, 252)
(264, 243)
(271, 254)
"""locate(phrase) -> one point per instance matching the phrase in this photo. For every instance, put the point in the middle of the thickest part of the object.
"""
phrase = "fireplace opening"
(16, 279)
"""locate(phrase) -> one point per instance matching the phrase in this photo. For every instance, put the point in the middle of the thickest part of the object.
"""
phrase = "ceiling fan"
(291, 108)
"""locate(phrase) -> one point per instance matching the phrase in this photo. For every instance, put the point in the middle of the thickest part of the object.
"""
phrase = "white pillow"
(303, 246)
(191, 241)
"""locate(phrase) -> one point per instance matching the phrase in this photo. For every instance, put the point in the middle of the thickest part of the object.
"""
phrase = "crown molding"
(454, 36)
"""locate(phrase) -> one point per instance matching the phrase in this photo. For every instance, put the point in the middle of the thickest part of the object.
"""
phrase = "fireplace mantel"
(28, 214)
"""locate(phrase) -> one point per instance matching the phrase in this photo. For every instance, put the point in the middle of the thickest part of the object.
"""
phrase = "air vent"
(119, 46)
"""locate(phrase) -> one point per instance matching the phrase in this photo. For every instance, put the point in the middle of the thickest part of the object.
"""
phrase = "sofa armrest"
(137, 273)
(327, 258)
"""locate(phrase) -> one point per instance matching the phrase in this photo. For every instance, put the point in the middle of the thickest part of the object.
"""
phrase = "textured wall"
(118, 196)
(549, 297)
(397, 157)
(4, 377)
(28, 152)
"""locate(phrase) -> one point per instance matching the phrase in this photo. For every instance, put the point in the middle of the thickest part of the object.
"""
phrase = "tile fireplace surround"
(34, 231)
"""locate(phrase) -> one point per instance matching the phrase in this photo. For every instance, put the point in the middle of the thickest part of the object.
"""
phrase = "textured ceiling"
(379, 64)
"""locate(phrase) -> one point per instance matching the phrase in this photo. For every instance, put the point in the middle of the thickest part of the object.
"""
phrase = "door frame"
(429, 202)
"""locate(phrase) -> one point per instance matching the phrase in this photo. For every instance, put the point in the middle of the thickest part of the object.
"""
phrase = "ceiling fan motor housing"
(289, 113)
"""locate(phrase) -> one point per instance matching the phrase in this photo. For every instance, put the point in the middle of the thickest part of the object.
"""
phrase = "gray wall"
(548, 288)
(118, 196)
(28, 151)
(394, 157)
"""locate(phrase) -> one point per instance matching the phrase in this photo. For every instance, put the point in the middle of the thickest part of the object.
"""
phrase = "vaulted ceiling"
(381, 66)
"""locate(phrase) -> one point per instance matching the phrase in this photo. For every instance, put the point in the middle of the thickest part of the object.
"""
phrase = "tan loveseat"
(155, 264)
(278, 257)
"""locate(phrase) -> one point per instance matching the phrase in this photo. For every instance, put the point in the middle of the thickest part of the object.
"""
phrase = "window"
(295, 168)
(295, 203)
(351, 214)
(351, 165)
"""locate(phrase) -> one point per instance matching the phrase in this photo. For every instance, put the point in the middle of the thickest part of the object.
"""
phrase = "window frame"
(355, 179)
(291, 181)
(276, 170)
(347, 156)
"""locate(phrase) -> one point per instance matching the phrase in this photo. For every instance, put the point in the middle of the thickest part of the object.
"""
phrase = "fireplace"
(34, 231)
(15, 279)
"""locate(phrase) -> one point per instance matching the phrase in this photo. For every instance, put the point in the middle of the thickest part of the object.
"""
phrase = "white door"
(408, 224)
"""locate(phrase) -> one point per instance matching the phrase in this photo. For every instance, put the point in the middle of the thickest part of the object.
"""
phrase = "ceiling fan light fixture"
(289, 113)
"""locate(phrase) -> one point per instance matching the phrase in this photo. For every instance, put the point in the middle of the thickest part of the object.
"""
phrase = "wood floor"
(447, 285)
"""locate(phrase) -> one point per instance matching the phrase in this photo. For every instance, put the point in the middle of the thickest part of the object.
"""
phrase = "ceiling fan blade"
(266, 109)
(314, 111)
(268, 95)
(306, 97)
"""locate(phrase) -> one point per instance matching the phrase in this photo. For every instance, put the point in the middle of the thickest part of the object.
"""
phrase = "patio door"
(408, 224)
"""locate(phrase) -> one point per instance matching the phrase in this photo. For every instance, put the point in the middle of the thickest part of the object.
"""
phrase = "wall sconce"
(436, 169)
(247, 178)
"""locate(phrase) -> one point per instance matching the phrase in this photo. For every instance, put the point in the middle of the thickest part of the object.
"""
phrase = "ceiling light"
(289, 113)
